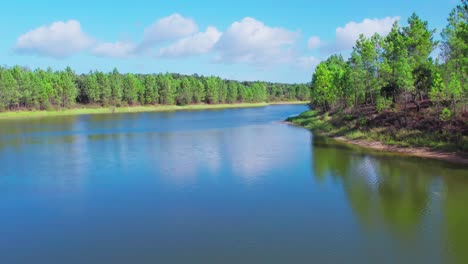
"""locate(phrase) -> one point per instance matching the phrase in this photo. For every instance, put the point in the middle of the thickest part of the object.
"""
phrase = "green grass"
(132, 109)
(343, 126)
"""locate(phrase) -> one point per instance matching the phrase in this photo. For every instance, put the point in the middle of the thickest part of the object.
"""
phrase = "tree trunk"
(418, 107)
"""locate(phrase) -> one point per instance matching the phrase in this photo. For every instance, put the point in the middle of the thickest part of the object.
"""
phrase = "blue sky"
(244, 40)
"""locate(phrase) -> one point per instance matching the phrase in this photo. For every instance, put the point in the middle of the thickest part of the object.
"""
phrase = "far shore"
(132, 109)
(421, 152)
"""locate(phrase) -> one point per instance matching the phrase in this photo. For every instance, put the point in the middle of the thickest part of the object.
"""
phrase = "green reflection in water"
(400, 194)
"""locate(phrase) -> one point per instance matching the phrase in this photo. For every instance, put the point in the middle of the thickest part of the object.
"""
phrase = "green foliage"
(92, 90)
(21, 88)
(8, 89)
(151, 90)
(398, 70)
(232, 92)
(446, 115)
(327, 82)
(131, 87)
(105, 91)
(198, 90)
(302, 92)
(438, 93)
(166, 89)
(116, 85)
(212, 94)
(184, 92)
(381, 104)
(67, 89)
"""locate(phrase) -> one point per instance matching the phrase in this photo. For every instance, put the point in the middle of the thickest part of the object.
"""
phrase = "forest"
(405, 88)
(23, 89)
(399, 71)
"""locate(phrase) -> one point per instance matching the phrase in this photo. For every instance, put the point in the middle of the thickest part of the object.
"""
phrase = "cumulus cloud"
(199, 43)
(59, 40)
(313, 42)
(346, 36)
(119, 49)
(252, 42)
(168, 28)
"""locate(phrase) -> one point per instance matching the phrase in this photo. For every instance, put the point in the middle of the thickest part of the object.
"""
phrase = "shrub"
(446, 115)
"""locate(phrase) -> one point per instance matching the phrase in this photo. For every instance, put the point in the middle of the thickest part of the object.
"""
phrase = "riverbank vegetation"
(392, 89)
(24, 89)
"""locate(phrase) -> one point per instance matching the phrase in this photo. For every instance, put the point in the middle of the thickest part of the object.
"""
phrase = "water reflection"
(219, 186)
(402, 195)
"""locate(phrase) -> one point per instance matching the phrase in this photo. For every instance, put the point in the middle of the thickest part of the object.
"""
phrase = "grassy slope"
(133, 109)
(340, 126)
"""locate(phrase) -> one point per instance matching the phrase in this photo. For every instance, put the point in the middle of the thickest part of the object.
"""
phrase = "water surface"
(218, 186)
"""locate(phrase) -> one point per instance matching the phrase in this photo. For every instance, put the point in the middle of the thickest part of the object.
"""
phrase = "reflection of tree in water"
(403, 192)
(397, 193)
(47, 130)
(455, 208)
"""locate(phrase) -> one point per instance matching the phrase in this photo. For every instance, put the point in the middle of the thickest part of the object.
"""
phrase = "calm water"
(224, 186)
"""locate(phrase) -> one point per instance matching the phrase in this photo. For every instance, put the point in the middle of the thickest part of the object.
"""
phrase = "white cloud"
(252, 42)
(307, 63)
(313, 42)
(168, 28)
(346, 36)
(117, 49)
(59, 39)
(199, 43)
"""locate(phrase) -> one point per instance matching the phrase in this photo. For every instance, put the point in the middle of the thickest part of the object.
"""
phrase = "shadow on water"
(407, 196)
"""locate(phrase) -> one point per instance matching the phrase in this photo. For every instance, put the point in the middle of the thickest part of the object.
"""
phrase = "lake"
(219, 186)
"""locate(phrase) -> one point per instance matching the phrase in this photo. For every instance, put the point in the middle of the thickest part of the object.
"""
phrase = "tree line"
(21, 88)
(398, 71)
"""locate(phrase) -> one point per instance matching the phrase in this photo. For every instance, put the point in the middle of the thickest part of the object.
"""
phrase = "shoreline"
(25, 114)
(421, 152)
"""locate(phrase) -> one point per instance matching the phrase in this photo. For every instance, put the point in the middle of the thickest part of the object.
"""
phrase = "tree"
(91, 88)
(302, 92)
(211, 88)
(397, 69)
(366, 54)
(30, 93)
(116, 85)
(243, 93)
(259, 92)
(105, 90)
(68, 91)
(198, 90)
(232, 92)
(41, 89)
(151, 90)
(184, 92)
(222, 91)
(327, 82)
(130, 89)
(166, 89)
(22, 86)
(455, 49)
(420, 44)
(8, 89)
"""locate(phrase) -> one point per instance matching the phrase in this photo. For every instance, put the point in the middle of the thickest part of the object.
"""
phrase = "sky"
(278, 41)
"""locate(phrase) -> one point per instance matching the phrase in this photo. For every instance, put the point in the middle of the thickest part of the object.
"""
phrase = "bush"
(446, 115)
(381, 104)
